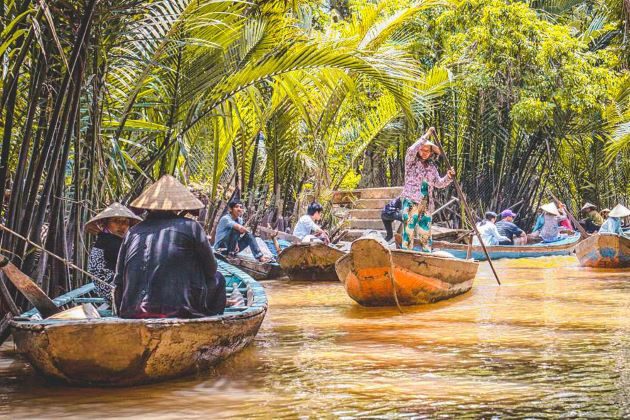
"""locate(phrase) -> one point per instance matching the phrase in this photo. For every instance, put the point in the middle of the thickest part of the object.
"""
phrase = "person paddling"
(166, 267)
(109, 226)
(421, 177)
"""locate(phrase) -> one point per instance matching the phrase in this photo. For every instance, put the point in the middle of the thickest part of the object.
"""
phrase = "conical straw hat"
(113, 210)
(619, 211)
(551, 209)
(167, 194)
(606, 210)
(434, 147)
(588, 206)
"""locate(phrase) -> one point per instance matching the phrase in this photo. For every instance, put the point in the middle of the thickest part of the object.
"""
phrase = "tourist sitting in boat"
(110, 226)
(612, 225)
(553, 215)
(592, 220)
(233, 237)
(605, 213)
(421, 177)
(390, 213)
(507, 228)
(307, 229)
(166, 267)
(488, 231)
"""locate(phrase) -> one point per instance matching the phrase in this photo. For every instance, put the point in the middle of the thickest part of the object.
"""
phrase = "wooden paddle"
(28, 288)
(469, 215)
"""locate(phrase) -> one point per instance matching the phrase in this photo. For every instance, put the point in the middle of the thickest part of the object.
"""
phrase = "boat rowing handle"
(28, 288)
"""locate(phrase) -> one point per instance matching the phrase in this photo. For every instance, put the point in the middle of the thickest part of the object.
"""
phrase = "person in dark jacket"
(166, 267)
(391, 212)
(110, 226)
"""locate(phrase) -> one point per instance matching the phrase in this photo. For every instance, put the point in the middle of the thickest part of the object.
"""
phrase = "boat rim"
(422, 253)
(260, 303)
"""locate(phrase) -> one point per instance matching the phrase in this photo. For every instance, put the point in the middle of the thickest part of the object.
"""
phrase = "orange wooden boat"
(604, 251)
(374, 275)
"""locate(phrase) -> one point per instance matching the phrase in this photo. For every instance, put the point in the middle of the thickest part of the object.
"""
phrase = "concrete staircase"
(363, 208)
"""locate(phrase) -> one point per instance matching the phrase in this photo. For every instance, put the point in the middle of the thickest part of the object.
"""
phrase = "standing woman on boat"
(109, 226)
(421, 177)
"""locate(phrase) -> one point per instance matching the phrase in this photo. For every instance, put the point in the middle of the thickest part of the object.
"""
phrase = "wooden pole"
(469, 215)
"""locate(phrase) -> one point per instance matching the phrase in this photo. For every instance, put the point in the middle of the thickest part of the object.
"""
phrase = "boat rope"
(393, 281)
(57, 257)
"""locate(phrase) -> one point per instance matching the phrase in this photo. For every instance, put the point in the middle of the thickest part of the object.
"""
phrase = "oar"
(469, 215)
(28, 288)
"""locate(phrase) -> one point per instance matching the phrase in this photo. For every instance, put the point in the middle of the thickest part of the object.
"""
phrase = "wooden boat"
(310, 262)
(258, 270)
(374, 275)
(604, 251)
(563, 247)
(112, 351)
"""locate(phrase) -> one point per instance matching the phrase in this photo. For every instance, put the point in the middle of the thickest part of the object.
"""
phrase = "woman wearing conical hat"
(110, 226)
(553, 216)
(612, 225)
(592, 220)
(166, 267)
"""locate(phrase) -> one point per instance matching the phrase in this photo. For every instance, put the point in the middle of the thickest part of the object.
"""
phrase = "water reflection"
(553, 340)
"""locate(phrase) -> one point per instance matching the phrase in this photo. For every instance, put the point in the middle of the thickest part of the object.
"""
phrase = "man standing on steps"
(421, 177)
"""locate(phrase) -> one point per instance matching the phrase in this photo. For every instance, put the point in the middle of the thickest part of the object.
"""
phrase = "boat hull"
(376, 276)
(496, 252)
(310, 262)
(111, 351)
(604, 251)
(256, 269)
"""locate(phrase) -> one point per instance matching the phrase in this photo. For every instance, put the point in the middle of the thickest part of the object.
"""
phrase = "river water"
(553, 340)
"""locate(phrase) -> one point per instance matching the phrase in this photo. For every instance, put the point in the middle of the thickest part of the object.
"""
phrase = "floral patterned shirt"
(417, 171)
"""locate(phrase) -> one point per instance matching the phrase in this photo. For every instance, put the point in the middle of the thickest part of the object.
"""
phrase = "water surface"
(552, 341)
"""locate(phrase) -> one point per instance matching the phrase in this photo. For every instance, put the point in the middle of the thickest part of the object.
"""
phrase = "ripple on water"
(551, 342)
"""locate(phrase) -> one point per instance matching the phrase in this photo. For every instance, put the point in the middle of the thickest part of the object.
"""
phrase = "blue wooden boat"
(111, 351)
(563, 247)
(604, 251)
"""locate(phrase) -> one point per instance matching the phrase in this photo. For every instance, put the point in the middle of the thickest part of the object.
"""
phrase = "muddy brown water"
(553, 341)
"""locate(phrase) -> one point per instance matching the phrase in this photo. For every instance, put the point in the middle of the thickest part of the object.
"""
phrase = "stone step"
(365, 213)
(348, 196)
(365, 224)
(371, 203)
(353, 234)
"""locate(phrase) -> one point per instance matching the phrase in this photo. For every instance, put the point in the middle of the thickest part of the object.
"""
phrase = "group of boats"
(104, 350)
